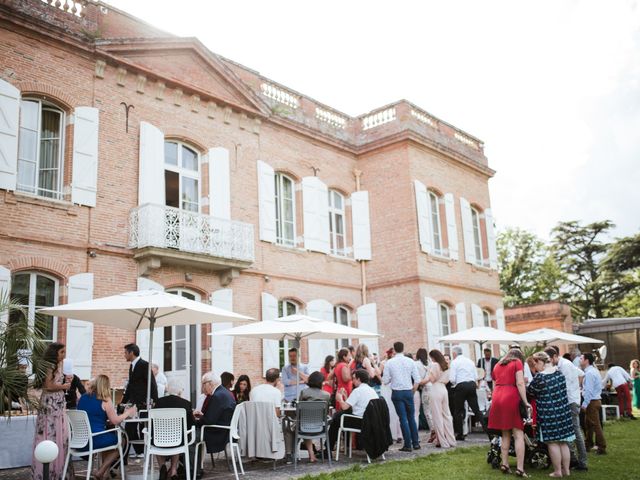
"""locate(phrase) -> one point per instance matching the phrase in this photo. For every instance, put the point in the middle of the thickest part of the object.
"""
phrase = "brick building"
(131, 158)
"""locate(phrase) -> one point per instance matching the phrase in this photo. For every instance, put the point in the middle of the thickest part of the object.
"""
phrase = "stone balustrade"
(331, 118)
(279, 95)
(72, 7)
(378, 118)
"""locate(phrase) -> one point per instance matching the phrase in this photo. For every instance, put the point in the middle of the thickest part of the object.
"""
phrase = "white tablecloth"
(16, 441)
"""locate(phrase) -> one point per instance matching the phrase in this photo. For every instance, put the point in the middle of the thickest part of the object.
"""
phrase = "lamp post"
(46, 452)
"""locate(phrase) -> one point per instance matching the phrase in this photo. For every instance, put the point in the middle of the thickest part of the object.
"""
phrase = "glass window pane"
(45, 292)
(28, 144)
(172, 189)
(189, 159)
(288, 232)
(29, 114)
(190, 194)
(287, 188)
(337, 201)
(180, 332)
(181, 354)
(339, 224)
(288, 210)
(20, 288)
(50, 124)
(171, 153)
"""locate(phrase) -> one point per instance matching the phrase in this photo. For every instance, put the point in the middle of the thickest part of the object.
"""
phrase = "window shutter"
(151, 171)
(5, 291)
(491, 239)
(424, 219)
(9, 117)
(500, 319)
(80, 334)
(476, 315)
(319, 349)
(270, 357)
(267, 202)
(467, 231)
(84, 183)
(222, 347)
(461, 324)
(315, 205)
(361, 225)
(368, 320)
(452, 229)
(219, 183)
(142, 335)
(433, 323)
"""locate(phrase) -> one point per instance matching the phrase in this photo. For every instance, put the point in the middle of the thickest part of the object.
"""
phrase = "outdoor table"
(16, 441)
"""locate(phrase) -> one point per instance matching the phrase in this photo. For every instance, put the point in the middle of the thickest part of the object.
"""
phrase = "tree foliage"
(528, 272)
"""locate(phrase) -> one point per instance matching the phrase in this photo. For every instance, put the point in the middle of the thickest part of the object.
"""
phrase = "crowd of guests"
(546, 389)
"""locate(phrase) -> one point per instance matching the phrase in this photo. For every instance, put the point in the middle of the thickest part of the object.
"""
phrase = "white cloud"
(551, 87)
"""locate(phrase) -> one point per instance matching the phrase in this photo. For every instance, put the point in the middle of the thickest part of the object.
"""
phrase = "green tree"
(623, 258)
(528, 272)
(592, 289)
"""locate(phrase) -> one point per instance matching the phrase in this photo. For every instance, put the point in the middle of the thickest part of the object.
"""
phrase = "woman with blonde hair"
(438, 377)
(362, 361)
(508, 391)
(99, 407)
(634, 372)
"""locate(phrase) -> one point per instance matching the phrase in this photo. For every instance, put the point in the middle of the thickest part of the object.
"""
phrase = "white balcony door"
(182, 356)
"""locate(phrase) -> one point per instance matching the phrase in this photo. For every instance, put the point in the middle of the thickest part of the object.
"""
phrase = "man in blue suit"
(217, 409)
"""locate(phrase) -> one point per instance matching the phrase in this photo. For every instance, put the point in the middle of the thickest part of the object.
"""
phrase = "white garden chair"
(80, 436)
(169, 436)
(234, 447)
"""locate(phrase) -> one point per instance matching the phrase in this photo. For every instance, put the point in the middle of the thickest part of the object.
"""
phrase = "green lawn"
(621, 462)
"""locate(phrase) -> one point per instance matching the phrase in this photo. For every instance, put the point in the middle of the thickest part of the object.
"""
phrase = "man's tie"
(205, 404)
(130, 371)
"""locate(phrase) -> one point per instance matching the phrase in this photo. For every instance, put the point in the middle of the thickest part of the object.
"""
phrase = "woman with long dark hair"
(329, 382)
(439, 400)
(343, 373)
(242, 389)
(509, 390)
(421, 396)
(51, 423)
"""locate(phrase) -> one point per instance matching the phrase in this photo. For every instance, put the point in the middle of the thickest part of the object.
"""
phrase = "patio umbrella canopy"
(481, 335)
(141, 309)
(296, 327)
(549, 336)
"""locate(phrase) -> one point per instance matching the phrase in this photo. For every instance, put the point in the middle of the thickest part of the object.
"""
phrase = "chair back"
(80, 428)
(168, 426)
(235, 419)
(311, 416)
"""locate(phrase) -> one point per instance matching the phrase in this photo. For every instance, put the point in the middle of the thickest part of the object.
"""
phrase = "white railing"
(167, 227)
(331, 118)
(423, 117)
(379, 118)
(70, 6)
(279, 95)
(466, 140)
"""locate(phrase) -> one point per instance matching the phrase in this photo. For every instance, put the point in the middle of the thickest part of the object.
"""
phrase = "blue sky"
(552, 87)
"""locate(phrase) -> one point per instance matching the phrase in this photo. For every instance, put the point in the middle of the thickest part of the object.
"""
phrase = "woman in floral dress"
(51, 423)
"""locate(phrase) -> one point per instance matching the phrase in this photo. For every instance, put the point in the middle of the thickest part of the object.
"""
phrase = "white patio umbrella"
(139, 309)
(481, 335)
(550, 336)
(296, 327)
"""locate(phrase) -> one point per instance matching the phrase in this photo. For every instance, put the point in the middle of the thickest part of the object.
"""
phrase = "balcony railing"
(160, 226)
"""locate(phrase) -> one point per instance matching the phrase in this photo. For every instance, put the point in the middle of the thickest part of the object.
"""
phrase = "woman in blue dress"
(99, 407)
(555, 427)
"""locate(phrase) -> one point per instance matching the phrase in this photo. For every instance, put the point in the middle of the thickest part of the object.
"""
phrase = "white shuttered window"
(9, 125)
(285, 210)
(316, 215)
(337, 223)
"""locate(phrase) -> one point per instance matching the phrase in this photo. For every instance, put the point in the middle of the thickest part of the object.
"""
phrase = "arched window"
(285, 307)
(486, 318)
(41, 147)
(436, 223)
(477, 236)
(337, 223)
(444, 314)
(181, 176)
(33, 290)
(342, 316)
(285, 210)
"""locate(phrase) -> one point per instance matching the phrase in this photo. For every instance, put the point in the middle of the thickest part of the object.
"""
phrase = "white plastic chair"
(169, 436)
(80, 436)
(234, 447)
(347, 430)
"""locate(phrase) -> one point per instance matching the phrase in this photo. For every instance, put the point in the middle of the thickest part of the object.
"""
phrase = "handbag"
(524, 411)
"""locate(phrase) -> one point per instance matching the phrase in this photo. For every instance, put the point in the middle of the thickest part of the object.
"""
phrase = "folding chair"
(311, 423)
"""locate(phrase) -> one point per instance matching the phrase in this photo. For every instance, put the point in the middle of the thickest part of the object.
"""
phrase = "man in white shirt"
(269, 392)
(572, 376)
(621, 381)
(401, 374)
(356, 404)
(463, 377)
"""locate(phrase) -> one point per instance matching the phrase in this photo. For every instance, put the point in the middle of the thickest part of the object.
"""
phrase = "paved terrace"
(262, 469)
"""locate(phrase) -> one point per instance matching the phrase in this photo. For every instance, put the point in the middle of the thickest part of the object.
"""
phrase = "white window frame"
(280, 221)
(185, 172)
(284, 345)
(197, 298)
(486, 317)
(436, 224)
(340, 343)
(31, 307)
(333, 231)
(35, 189)
(446, 347)
(477, 236)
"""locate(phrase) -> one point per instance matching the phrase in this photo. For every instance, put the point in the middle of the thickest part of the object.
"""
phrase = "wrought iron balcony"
(178, 236)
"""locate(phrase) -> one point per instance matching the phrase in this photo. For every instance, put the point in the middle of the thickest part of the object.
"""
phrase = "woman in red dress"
(509, 390)
(342, 373)
(328, 385)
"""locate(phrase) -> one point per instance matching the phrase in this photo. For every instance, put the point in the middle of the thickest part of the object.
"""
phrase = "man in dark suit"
(136, 391)
(487, 363)
(172, 399)
(217, 409)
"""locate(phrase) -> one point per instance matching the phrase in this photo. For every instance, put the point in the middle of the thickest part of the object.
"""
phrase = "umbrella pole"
(298, 368)
(152, 321)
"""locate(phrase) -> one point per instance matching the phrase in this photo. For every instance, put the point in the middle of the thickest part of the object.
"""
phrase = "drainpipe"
(363, 269)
